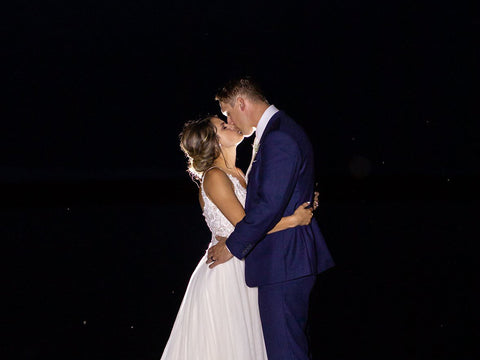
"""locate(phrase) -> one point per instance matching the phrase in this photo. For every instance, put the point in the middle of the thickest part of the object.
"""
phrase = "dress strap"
(210, 168)
(205, 172)
(228, 175)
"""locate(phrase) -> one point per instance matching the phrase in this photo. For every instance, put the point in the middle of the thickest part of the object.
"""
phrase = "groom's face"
(237, 116)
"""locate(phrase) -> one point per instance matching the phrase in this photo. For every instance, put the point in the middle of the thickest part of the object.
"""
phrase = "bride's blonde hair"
(199, 142)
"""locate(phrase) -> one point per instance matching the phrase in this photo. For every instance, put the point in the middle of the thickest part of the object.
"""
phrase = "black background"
(99, 221)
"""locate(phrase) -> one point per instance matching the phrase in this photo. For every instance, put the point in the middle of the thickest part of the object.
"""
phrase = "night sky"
(101, 89)
(98, 211)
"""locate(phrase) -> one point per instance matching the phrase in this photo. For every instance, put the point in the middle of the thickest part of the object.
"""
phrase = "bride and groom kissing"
(248, 297)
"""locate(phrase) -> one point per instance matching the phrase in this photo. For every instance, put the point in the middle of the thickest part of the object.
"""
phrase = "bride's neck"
(227, 159)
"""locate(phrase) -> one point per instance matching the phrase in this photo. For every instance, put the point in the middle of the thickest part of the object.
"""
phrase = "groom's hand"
(316, 194)
(218, 254)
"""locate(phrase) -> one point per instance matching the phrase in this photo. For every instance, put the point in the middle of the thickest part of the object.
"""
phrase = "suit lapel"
(273, 124)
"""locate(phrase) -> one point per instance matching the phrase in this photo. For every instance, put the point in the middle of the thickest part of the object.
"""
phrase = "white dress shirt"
(262, 124)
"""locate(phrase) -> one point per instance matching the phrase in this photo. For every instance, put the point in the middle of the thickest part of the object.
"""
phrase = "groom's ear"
(241, 103)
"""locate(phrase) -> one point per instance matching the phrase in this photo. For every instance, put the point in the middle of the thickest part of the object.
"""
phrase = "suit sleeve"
(278, 172)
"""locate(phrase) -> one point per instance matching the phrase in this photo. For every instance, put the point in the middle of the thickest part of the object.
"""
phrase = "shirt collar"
(263, 122)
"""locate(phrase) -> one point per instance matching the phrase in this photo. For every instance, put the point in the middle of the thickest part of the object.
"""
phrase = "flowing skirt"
(218, 318)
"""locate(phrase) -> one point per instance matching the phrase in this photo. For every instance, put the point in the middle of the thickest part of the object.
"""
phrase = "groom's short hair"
(240, 87)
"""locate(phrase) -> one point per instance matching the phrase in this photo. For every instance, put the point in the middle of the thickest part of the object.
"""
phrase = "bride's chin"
(240, 140)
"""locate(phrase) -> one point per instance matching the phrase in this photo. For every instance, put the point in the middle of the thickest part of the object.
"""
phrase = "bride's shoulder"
(215, 178)
(214, 174)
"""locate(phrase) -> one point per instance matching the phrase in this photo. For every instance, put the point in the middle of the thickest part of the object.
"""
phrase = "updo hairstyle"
(199, 142)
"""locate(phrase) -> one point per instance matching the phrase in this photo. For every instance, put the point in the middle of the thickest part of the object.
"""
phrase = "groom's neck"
(258, 109)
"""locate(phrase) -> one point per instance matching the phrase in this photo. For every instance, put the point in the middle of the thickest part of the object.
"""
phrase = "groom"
(283, 265)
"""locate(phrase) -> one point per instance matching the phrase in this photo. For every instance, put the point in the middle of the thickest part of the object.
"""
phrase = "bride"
(217, 303)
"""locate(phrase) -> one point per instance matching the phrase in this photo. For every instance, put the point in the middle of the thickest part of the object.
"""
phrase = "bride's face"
(228, 135)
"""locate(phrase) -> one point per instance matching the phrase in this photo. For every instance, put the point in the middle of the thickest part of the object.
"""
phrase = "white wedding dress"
(219, 317)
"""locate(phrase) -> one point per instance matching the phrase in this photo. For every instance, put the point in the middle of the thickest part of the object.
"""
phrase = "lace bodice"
(216, 221)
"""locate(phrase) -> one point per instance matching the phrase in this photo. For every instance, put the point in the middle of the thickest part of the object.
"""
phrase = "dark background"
(100, 225)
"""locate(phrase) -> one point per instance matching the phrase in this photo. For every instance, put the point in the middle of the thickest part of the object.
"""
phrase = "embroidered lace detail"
(216, 221)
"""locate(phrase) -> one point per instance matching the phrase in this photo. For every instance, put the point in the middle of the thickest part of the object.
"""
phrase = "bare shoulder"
(216, 180)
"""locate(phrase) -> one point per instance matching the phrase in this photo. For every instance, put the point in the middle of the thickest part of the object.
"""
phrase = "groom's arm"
(278, 173)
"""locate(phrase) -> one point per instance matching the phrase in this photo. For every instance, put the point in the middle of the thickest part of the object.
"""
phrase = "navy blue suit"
(283, 265)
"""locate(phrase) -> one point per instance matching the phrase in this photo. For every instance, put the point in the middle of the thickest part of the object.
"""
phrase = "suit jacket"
(281, 179)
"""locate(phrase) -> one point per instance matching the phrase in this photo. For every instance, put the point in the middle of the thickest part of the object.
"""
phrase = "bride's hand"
(303, 215)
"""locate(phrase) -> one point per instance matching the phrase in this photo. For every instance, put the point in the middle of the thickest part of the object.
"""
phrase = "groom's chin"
(248, 133)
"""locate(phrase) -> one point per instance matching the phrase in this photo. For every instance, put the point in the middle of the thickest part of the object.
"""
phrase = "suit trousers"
(284, 315)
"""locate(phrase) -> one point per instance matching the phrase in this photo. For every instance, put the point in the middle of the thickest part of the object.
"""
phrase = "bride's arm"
(219, 189)
(301, 216)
